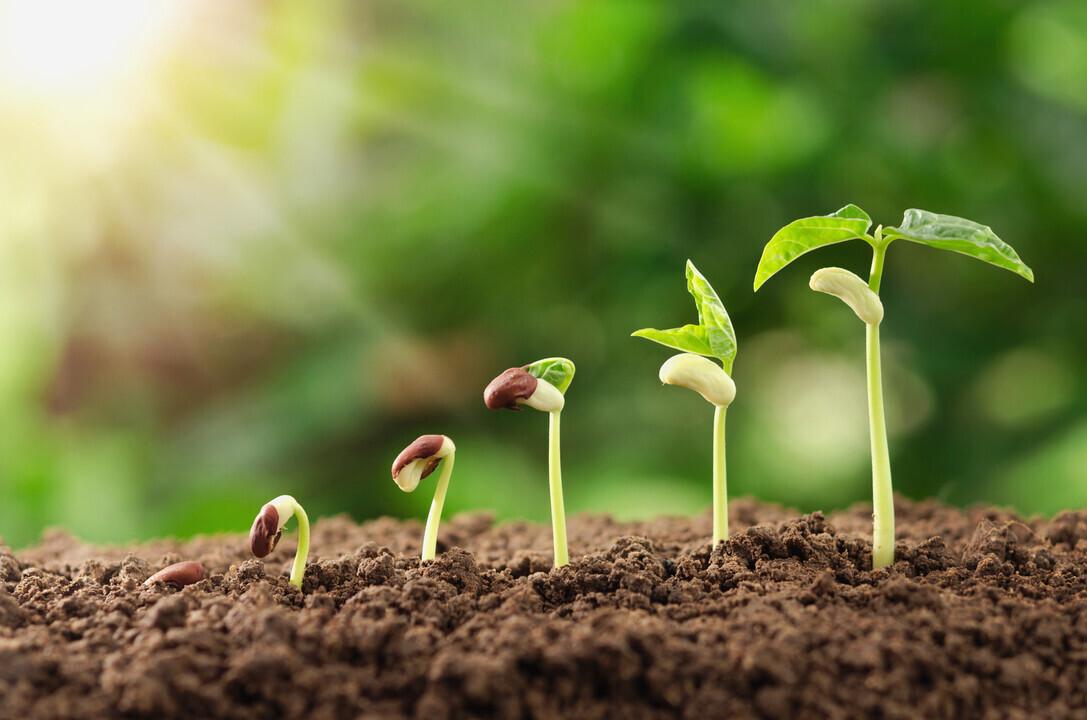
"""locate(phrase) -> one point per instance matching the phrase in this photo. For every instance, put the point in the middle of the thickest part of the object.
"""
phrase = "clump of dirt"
(983, 615)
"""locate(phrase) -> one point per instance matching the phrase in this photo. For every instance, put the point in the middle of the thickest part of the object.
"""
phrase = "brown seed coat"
(179, 574)
(509, 387)
(424, 446)
(264, 534)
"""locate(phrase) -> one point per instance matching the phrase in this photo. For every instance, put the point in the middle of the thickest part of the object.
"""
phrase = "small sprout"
(943, 232)
(541, 386)
(414, 463)
(268, 528)
(712, 337)
(179, 574)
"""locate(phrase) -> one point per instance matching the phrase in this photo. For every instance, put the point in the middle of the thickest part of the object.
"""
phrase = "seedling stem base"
(558, 509)
(883, 510)
(300, 555)
(430, 534)
(720, 484)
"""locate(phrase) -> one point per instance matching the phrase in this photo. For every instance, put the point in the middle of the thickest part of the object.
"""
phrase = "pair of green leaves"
(558, 371)
(944, 232)
(713, 336)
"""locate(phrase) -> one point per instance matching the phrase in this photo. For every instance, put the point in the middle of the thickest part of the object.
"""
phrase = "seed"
(179, 574)
(507, 389)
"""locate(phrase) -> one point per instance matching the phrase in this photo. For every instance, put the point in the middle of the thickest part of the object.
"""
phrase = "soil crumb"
(984, 614)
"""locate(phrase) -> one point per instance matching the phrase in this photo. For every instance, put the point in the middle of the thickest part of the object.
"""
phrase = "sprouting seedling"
(268, 527)
(944, 232)
(414, 463)
(541, 386)
(712, 337)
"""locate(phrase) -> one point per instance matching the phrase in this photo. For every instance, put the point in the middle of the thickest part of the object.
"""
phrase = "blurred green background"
(257, 247)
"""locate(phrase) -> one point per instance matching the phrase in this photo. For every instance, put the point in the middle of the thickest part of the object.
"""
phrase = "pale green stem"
(876, 276)
(720, 485)
(430, 535)
(558, 510)
(300, 555)
(883, 510)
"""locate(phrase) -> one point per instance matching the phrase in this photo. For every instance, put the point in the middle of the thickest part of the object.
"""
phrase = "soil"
(983, 615)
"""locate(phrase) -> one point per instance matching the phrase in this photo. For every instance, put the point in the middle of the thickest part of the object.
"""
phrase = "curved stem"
(720, 486)
(300, 555)
(558, 510)
(430, 535)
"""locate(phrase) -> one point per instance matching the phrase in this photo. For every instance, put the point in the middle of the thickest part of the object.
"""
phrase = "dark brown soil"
(984, 615)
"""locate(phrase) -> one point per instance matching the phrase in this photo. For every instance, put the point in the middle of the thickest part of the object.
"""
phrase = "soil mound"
(983, 615)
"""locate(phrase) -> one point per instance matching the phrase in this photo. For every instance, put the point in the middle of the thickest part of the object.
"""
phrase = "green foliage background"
(333, 223)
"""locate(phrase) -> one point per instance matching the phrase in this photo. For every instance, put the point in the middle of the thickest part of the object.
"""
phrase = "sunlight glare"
(61, 50)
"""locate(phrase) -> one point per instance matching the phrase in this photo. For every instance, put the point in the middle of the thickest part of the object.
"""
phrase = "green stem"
(558, 510)
(720, 486)
(876, 276)
(883, 510)
(300, 555)
(430, 535)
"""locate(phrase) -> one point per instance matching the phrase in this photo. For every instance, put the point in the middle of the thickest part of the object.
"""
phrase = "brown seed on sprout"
(508, 388)
(414, 463)
(425, 446)
(268, 526)
(531, 385)
(179, 574)
(265, 532)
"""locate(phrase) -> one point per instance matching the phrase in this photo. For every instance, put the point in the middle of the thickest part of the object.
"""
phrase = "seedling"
(944, 232)
(541, 386)
(179, 574)
(268, 528)
(712, 337)
(414, 463)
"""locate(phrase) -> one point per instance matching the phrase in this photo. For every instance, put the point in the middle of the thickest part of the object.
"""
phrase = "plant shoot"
(944, 232)
(541, 386)
(414, 463)
(268, 528)
(712, 337)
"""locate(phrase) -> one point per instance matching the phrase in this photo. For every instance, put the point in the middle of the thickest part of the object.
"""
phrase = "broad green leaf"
(712, 316)
(806, 234)
(689, 338)
(557, 370)
(947, 232)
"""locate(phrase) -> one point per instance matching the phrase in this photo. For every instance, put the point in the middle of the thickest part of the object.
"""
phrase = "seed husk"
(179, 574)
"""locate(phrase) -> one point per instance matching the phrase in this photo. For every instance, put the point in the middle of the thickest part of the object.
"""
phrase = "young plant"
(268, 527)
(414, 463)
(944, 232)
(712, 337)
(541, 386)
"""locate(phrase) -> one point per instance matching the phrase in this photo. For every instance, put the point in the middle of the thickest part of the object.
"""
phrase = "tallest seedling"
(944, 232)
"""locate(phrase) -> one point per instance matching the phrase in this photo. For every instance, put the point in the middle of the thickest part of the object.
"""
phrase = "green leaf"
(712, 316)
(714, 335)
(806, 234)
(947, 232)
(558, 371)
(689, 338)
